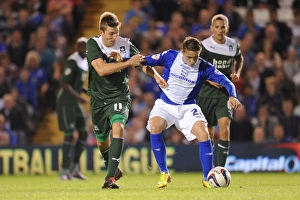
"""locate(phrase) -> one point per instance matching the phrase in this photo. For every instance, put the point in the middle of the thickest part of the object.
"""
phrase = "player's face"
(219, 30)
(190, 57)
(109, 36)
(82, 49)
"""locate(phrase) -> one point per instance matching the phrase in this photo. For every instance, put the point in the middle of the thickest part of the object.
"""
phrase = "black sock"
(104, 154)
(79, 147)
(222, 152)
(115, 151)
(66, 154)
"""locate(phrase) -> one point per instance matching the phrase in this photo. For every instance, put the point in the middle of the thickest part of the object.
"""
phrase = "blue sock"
(206, 156)
(158, 147)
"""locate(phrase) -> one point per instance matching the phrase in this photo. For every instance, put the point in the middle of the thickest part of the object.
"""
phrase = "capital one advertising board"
(243, 157)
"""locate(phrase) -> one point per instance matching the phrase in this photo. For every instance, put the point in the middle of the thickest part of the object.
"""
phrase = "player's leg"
(80, 145)
(66, 117)
(158, 146)
(224, 141)
(118, 115)
(205, 148)
(161, 118)
(66, 156)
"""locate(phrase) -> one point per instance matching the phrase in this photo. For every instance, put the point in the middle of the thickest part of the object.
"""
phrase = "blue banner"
(245, 157)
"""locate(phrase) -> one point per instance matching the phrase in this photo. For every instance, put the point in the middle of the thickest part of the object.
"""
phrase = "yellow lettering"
(83, 162)
(98, 161)
(20, 162)
(36, 164)
(48, 162)
(170, 153)
(145, 167)
(129, 165)
(5, 154)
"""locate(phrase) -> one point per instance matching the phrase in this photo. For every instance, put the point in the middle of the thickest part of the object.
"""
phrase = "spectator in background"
(285, 86)
(7, 137)
(249, 100)
(263, 71)
(4, 84)
(289, 121)
(23, 24)
(38, 80)
(189, 11)
(248, 25)
(259, 135)
(153, 36)
(272, 97)
(253, 79)
(246, 48)
(27, 89)
(279, 135)
(17, 48)
(17, 120)
(270, 33)
(201, 28)
(51, 67)
(283, 30)
(241, 128)
(272, 57)
(11, 70)
(265, 120)
(235, 20)
(291, 65)
(138, 15)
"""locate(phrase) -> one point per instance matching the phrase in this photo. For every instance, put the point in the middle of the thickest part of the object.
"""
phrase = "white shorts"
(182, 116)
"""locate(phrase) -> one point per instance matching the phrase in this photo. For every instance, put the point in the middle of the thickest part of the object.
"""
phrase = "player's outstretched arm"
(104, 68)
(152, 72)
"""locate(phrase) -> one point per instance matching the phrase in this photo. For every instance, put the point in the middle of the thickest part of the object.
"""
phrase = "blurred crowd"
(36, 36)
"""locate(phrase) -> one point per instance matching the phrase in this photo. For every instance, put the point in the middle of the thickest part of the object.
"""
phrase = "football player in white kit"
(185, 73)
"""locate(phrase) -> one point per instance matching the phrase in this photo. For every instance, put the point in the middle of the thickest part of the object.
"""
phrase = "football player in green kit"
(70, 114)
(109, 57)
(225, 54)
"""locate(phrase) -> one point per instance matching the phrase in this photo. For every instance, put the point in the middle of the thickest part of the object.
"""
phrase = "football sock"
(79, 147)
(114, 155)
(104, 154)
(66, 154)
(222, 152)
(206, 157)
(158, 147)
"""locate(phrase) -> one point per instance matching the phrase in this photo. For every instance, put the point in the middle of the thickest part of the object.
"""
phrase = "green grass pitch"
(186, 186)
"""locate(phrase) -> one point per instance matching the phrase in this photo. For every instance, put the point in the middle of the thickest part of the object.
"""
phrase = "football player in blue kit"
(185, 73)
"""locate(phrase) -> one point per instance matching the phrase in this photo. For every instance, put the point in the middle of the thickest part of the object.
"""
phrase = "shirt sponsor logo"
(182, 78)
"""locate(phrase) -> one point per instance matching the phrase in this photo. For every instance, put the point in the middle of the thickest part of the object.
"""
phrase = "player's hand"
(234, 77)
(135, 60)
(160, 81)
(217, 85)
(234, 103)
(116, 56)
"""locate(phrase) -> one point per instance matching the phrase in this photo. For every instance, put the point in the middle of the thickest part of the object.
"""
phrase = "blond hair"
(32, 55)
(220, 17)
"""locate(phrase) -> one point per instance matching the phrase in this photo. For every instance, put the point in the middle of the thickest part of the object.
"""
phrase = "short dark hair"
(108, 19)
(191, 44)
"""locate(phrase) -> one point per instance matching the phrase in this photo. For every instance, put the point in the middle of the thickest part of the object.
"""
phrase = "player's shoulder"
(93, 40)
(231, 41)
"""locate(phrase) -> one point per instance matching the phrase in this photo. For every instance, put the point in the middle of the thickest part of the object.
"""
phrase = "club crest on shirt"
(217, 72)
(184, 72)
(155, 56)
(230, 48)
(122, 49)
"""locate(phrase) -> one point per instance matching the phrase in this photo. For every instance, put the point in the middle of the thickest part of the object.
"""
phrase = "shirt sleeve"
(213, 74)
